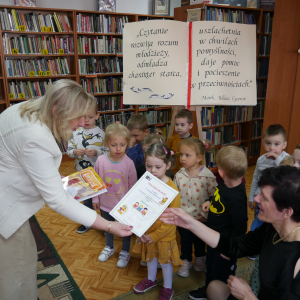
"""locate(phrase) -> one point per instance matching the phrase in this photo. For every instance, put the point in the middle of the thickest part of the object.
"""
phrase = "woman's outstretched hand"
(177, 216)
(120, 229)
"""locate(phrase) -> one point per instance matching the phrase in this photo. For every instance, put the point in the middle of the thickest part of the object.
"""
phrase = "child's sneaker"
(184, 270)
(199, 264)
(199, 294)
(105, 254)
(123, 260)
(83, 229)
(145, 285)
(165, 294)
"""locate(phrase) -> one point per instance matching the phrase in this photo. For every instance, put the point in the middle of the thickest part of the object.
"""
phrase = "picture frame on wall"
(161, 7)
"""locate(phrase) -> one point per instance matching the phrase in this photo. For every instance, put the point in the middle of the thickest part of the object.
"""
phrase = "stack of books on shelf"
(258, 110)
(228, 15)
(223, 135)
(28, 89)
(102, 65)
(157, 116)
(14, 21)
(37, 45)
(33, 67)
(267, 23)
(257, 129)
(265, 45)
(219, 115)
(106, 119)
(255, 148)
(100, 23)
(102, 85)
(261, 87)
(263, 67)
(111, 103)
(100, 45)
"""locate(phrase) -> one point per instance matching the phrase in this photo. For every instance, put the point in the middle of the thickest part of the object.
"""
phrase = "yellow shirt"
(160, 231)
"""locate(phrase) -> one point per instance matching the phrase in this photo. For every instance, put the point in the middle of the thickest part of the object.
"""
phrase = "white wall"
(123, 6)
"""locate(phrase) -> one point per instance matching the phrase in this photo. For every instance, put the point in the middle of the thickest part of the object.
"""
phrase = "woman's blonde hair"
(116, 129)
(71, 101)
(194, 144)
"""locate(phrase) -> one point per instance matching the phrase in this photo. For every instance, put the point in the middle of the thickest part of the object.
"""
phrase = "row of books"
(14, 21)
(156, 116)
(223, 135)
(100, 23)
(100, 45)
(28, 89)
(111, 103)
(219, 115)
(102, 85)
(107, 119)
(255, 148)
(37, 45)
(33, 67)
(261, 87)
(228, 15)
(263, 67)
(210, 158)
(102, 65)
(265, 45)
(257, 127)
(258, 110)
(267, 23)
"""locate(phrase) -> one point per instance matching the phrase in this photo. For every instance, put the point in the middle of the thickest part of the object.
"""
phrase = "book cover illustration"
(196, 63)
(144, 203)
(84, 184)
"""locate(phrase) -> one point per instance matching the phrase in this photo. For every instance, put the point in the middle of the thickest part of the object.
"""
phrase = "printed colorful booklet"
(144, 203)
(84, 184)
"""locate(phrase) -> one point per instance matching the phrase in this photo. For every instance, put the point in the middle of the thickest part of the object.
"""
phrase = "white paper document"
(144, 203)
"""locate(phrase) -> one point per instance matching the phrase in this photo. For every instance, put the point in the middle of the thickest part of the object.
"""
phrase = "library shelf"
(262, 78)
(107, 94)
(24, 99)
(154, 108)
(233, 144)
(36, 55)
(107, 54)
(114, 111)
(160, 124)
(100, 75)
(37, 32)
(2, 102)
(1, 77)
(93, 34)
(261, 99)
(259, 119)
(264, 56)
(227, 124)
(41, 77)
(256, 139)
(266, 33)
(252, 160)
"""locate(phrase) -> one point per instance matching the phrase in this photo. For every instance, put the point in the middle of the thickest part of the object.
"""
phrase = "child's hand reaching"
(251, 204)
(271, 155)
(90, 152)
(79, 152)
(205, 206)
(96, 206)
(146, 238)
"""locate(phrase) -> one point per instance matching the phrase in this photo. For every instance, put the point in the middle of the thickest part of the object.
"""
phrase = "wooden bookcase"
(72, 59)
(180, 14)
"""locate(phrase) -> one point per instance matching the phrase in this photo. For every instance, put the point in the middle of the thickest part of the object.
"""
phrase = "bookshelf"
(240, 126)
(90, 51)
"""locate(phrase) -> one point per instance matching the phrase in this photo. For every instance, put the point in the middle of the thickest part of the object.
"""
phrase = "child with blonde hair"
(117, 170)
(158, 244)
(196, 184)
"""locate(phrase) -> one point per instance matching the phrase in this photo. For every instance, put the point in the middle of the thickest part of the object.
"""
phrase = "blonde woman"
(29, 178)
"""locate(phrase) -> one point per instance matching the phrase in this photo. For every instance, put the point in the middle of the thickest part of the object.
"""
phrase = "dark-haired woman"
(277, 241)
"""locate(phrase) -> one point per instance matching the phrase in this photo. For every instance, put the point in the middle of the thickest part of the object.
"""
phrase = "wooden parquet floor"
(80, 252)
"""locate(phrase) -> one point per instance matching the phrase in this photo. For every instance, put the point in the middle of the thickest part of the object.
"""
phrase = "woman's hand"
(177, 216)
(240, 289)
(143, 239)
(148, 238)
(120, 229)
